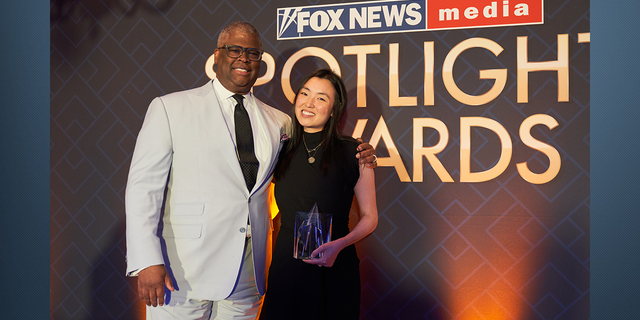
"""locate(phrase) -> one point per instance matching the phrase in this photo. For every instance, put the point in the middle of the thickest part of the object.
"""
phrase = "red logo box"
(446, 14)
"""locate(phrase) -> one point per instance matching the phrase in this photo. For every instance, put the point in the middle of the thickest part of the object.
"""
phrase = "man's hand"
(367, 154)
(151, 283)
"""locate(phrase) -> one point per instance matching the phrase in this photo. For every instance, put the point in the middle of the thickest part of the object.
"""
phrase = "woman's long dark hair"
(330, 131)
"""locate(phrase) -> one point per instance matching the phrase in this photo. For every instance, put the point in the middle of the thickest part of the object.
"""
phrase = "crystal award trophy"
(312, 229)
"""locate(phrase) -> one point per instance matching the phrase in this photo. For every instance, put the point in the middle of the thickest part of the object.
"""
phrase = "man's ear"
(216, 52)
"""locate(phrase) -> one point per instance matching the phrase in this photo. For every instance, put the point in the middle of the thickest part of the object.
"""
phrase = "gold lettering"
(561, 66)
(394, 81)
(465, 149)
(361, 54)
(500, 75)
(305, 52)
(382, 132)
(430, 153)
(429, 99)
(549, 151)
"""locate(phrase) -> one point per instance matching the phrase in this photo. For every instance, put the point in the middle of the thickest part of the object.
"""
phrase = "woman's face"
(314, 104)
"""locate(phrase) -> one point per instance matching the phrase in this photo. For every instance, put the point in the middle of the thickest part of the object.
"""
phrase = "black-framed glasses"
(234, 52)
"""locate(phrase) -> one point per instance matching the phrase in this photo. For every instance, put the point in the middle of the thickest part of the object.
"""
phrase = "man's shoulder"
(271, 109)
(199, 91)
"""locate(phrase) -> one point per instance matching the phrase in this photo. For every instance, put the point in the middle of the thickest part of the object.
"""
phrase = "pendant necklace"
(311, 159)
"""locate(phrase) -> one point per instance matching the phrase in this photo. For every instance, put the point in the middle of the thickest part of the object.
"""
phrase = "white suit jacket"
(184, 138)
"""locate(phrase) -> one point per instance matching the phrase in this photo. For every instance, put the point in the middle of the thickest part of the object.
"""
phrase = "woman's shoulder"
(349, 150)
(349, 140)
(349, 143)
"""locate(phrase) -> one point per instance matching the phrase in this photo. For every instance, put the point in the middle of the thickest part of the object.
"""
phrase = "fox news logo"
(351, 19)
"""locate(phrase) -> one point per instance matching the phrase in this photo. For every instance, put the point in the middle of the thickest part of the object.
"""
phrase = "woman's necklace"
(314, 150)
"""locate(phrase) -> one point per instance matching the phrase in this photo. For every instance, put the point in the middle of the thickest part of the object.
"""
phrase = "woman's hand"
(329, 252)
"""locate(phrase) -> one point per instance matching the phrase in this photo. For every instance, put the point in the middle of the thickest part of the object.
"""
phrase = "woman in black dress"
(318, 166)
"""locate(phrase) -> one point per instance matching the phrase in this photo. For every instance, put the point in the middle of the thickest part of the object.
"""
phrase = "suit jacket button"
(243, 230)
(249, 200)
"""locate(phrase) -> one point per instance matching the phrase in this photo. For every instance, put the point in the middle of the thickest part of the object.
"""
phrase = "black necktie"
(244, 143)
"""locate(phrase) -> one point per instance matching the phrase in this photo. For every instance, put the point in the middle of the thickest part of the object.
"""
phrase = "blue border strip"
(615, 171)
(24, 141)
(24, 150)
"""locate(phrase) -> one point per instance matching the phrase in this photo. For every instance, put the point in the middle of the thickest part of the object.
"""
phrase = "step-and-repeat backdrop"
(479, 111)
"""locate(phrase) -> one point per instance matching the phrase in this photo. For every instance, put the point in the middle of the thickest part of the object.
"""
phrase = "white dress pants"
(243, 303)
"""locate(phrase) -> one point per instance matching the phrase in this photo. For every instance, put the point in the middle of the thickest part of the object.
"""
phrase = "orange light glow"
(489, 265)
(273, 207)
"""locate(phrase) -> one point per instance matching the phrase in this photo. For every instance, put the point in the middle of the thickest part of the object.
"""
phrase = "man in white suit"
(209, 256)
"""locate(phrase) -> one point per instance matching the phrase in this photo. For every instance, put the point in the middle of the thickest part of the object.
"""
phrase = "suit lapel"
(208, 106)
(269, 130)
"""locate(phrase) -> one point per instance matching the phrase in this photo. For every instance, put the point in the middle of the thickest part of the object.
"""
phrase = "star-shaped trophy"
(312, 229)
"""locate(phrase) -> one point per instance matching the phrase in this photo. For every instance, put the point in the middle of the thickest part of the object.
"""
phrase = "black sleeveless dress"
(295, 289)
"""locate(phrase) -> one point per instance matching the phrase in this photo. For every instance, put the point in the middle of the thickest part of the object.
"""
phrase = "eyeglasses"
(234, 52)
